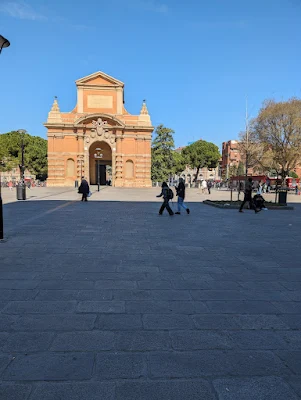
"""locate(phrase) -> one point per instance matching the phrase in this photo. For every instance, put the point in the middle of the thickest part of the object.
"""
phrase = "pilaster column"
(119, 160)
(113, 163)
(86, 161)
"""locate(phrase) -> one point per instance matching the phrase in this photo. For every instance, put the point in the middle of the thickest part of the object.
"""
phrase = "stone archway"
(100, 162)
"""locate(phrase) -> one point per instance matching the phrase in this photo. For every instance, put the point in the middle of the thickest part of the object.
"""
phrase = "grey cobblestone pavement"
(107, 300)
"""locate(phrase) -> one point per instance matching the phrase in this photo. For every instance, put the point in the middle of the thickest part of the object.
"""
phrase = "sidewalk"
(108, 300)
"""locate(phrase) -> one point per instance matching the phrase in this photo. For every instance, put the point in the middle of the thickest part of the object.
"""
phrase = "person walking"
(259, 191)
(167, 194)
(204, 186)
(297, 189)
(209, 186)
(248, 197)
(181, 196)
(84, 189)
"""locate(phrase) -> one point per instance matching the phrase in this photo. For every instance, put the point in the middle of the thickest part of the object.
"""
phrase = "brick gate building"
(99, 137)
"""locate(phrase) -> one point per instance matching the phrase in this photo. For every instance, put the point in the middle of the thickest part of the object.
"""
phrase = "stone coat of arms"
(101, 127)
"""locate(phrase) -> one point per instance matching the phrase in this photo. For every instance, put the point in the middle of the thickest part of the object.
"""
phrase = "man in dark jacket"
(166, 198)
(84, 189)
(181, 196)
(248, 197)
(209, 186)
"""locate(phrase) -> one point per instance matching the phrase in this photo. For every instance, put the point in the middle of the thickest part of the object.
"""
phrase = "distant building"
(231, 156)
(99, 137)
(179, 149)
(204, 173)
(14, 175)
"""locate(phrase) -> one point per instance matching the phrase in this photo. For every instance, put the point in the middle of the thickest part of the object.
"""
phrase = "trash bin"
(21, 192)
(282, 196)
(76, 184)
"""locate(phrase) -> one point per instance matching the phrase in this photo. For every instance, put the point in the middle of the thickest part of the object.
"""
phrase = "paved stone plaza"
(107, 300)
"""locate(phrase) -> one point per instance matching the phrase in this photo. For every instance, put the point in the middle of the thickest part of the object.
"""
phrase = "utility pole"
(247, 139)
(21, 188)
(1, 211)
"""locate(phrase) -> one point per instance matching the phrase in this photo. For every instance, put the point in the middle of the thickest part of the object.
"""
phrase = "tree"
(251, 151)
(201, 154)
(277, 129)
(240, 169)
(232, 171)
(293, 174)
(35, 154)
(162, 154)
(179, 162)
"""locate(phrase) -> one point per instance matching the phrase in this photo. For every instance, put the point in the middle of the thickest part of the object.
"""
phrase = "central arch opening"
(100, 160)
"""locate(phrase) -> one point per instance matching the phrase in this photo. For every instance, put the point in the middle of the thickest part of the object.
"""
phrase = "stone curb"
(234, 207)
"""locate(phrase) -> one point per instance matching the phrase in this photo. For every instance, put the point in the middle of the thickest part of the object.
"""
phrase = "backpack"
(170, 194)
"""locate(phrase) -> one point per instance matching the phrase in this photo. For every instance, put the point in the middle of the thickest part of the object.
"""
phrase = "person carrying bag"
(84, 189)
(167, 194)
(181, 196)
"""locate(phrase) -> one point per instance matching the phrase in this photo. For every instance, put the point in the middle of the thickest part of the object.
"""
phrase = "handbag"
(89, 194)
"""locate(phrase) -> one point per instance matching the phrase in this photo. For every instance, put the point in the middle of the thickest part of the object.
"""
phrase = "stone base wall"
(60, 183)
(120, 183)
(134, 183)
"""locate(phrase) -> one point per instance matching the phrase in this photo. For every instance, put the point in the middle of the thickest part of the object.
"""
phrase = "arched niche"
(70, 168)
(129, 169)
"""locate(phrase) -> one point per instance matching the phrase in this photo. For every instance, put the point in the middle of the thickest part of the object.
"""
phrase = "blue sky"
(194, 61)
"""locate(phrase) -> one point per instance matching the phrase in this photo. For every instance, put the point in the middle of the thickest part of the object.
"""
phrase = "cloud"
(20, 10)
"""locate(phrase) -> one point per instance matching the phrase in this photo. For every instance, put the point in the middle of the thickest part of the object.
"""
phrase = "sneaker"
(188, 211)
(178, 213)
(240, 211)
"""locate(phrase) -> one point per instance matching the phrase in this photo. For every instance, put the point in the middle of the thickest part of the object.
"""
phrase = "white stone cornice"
(98, 87)
(99, 74)
(58, 125)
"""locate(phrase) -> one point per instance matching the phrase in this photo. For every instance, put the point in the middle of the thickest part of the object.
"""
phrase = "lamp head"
(3, 43)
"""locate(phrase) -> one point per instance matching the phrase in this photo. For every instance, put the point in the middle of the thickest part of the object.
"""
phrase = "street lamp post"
(247, 142)
(1, 211)
(3, 43)
(21, 189)
(98, 155)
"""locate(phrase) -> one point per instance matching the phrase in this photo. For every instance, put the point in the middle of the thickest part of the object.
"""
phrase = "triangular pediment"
(99, 78)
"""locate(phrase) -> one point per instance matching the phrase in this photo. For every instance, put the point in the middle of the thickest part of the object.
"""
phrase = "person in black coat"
(209, 186)
(84, 189)
(248, 197)
(166, 198)
(181, 196)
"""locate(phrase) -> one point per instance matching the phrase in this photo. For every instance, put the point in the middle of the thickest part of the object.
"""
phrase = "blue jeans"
(181, 204)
